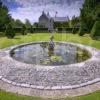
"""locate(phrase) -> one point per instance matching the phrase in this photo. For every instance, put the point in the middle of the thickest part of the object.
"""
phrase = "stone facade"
(47, 21)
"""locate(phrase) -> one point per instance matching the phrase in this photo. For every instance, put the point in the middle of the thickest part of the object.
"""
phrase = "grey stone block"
(25, 85)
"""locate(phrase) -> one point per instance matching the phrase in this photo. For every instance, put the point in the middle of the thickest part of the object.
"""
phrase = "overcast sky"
(32, 9)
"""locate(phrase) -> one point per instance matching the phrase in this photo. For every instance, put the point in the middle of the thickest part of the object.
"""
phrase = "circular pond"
(40, 54)
(69, 69)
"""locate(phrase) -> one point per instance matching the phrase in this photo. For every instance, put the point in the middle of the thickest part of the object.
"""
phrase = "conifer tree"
(4, 15)
(87, 16)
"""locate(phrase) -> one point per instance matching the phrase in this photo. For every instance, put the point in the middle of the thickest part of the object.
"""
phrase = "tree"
(5, 17)
(24, 30)
(87, 16)
(95, 32)
(97, 13)
(10, 31)
(74, 21)
(28, 24)
(31, 29)
(18, 23)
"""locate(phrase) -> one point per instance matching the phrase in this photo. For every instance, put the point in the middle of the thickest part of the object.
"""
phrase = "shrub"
(10, 31)
(60, 29)
(75, 30)
(23, 30)
(18, 29)
(81, 31)
(31, 29)
(95, 32)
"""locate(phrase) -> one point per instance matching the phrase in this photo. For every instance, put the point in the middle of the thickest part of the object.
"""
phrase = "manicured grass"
(93, 96)
(10, 96)
(86, 40)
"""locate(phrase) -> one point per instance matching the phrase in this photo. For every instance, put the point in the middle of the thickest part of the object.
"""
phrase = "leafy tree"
(10, 31)
(28, 23)
(37, 25)
(24, 30)
(74, 21)
(5, 18)
(57, 25)
(18, 23)
(31, 29)
(61, 25)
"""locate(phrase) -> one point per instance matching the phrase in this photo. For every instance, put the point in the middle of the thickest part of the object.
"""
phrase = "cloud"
(32, 9)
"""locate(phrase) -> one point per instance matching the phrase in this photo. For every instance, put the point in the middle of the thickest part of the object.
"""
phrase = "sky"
(32, 9)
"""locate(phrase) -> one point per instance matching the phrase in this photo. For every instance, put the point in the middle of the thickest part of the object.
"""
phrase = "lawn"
(10, 96)
(86, 40)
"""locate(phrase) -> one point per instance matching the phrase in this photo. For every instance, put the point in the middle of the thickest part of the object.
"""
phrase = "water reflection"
(43, 54)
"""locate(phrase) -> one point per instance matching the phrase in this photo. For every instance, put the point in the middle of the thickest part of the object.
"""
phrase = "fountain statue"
(51, 46)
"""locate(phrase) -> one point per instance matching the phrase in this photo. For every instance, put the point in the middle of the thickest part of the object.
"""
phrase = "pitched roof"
(60, 19)
(55, 19)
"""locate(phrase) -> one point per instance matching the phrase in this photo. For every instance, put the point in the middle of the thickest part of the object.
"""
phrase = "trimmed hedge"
(95, 32)
(67, 30)
(40, 30)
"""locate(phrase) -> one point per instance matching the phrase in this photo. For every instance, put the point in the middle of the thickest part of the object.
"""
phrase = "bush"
(82, 30)
(81, 33)
(10, 31)
(18, 29)
(95, 32)
(75, 30)
(23, 30)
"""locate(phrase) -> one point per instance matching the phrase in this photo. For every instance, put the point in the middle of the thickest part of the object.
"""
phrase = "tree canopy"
(27, 23)
(4, 15)
(90, 13)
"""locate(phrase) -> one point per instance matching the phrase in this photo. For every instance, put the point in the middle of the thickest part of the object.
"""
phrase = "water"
(38, 54)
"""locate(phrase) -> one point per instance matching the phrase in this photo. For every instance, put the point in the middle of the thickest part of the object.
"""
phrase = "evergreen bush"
(23, 30)
(75, 30)
(10, 31)
(95, 33)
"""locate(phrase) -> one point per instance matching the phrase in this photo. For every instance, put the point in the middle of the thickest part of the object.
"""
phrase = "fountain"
(51, 46)
(51, 67)
(49, 53)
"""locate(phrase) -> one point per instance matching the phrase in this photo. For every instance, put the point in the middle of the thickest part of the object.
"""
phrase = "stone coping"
(5, 57)
(91, 50)
(49, 88)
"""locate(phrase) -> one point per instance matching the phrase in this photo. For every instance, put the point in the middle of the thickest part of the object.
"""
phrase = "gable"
(43, 17)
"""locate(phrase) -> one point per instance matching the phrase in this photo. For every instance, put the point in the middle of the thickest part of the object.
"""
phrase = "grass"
(86, 40)
(11, 96)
